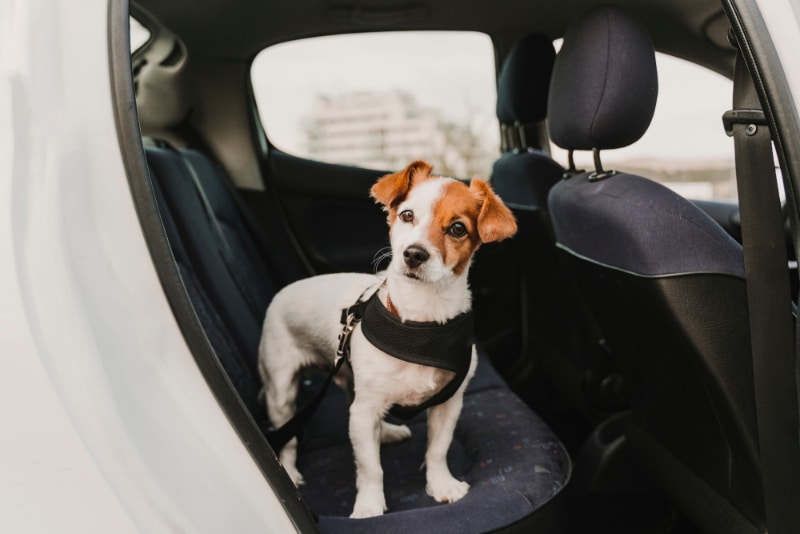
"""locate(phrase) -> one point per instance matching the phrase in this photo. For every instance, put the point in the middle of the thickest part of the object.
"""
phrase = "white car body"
(106, 423)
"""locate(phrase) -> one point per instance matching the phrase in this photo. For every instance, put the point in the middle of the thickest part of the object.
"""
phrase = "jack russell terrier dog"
(436, 224)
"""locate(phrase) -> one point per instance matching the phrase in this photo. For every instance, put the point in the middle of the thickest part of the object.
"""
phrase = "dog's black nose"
(415, 255)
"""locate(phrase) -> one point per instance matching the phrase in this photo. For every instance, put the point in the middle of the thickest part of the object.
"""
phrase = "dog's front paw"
(445, 488)
(393, 433)
(368, 504)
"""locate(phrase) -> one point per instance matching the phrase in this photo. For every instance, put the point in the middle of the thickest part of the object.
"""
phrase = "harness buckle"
(349, 322)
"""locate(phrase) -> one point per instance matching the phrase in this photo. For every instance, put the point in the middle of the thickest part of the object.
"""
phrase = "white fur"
(301, 329)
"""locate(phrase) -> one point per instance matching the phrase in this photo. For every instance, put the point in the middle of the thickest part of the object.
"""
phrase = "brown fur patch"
(457, 204)
(481, 211)
(392, 189)
(495, 221)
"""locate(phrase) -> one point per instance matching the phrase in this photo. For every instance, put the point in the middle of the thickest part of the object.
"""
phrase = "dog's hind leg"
(279, 369)
(391, 433)
(280, 408)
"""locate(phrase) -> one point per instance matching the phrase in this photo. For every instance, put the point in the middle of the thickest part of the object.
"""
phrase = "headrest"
(604, 85)
(525, 81)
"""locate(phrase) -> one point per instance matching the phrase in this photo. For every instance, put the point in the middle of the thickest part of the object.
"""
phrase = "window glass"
(139, 34)
(685, 147)
(382, 100)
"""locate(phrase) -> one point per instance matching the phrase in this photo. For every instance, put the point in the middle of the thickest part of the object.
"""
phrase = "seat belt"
(769, 304)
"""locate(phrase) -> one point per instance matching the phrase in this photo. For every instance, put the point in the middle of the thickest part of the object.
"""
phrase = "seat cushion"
(511, 459)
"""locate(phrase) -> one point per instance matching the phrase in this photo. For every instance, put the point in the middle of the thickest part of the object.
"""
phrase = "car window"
(139, 34)
(381, 100)
(685, 146)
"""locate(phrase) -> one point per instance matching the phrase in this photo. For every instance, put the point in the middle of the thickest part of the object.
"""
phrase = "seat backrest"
(230, 274)
(236, 364)
(665, 282)
(198, 235)
(524, 174)
(559, 341)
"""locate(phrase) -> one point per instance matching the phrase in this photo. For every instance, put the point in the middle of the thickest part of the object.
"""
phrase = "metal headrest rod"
(572, 170)
(599, 173)
(514, 137)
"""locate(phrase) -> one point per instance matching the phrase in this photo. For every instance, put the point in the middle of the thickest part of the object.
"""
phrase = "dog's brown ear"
(391, 189)
(495, 220)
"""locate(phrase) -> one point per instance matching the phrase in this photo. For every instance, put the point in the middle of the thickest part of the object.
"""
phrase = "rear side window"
(381, 100)
(139, 34)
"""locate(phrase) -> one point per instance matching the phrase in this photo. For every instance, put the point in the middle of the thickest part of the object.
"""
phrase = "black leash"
(350, 318)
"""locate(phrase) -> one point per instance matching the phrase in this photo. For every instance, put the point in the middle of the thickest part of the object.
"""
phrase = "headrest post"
(572, 170)
(598, 165)
(599, 173)
(505, 144)
(523, 142)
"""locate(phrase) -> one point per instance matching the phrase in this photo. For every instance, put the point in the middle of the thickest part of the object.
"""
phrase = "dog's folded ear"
(391, 189)
(495, 220)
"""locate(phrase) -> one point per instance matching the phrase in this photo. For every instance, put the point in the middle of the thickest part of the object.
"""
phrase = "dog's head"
(437, 223)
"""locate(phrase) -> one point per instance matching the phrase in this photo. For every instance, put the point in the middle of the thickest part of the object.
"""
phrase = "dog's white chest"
(391, 380)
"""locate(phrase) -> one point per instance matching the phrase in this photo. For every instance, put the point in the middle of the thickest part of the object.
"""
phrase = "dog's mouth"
(414, 276)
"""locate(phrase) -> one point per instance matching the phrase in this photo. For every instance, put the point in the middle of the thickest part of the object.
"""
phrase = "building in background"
(387, 130)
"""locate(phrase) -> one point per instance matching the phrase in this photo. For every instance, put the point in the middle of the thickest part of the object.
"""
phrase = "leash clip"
(349, 321)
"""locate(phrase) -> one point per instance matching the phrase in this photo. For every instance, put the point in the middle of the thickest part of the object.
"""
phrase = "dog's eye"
(457, 230)
(407, 216)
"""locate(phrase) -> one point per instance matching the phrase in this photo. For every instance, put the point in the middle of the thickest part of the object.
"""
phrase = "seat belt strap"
(769, 303)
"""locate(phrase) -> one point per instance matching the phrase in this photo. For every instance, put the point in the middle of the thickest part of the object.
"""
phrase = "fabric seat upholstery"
(665, 282)
(525, 173)
(514, 462)
(561, 333)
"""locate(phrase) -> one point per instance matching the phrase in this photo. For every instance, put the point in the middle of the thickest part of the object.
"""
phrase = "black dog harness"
(445, 346)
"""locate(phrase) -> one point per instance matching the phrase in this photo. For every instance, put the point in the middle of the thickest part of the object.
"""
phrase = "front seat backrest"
(558, 339)
(525, 172)
(665, 282)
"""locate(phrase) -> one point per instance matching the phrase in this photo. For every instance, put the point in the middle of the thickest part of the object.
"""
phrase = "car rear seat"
(514, 463)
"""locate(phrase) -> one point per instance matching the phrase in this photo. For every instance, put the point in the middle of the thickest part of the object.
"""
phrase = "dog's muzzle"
(415, 255)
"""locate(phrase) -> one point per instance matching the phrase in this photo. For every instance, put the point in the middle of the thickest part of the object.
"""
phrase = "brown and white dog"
(436, 224)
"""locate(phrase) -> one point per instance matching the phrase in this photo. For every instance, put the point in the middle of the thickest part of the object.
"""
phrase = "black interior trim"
(773, 90)
(132, 152)
(774, 346)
